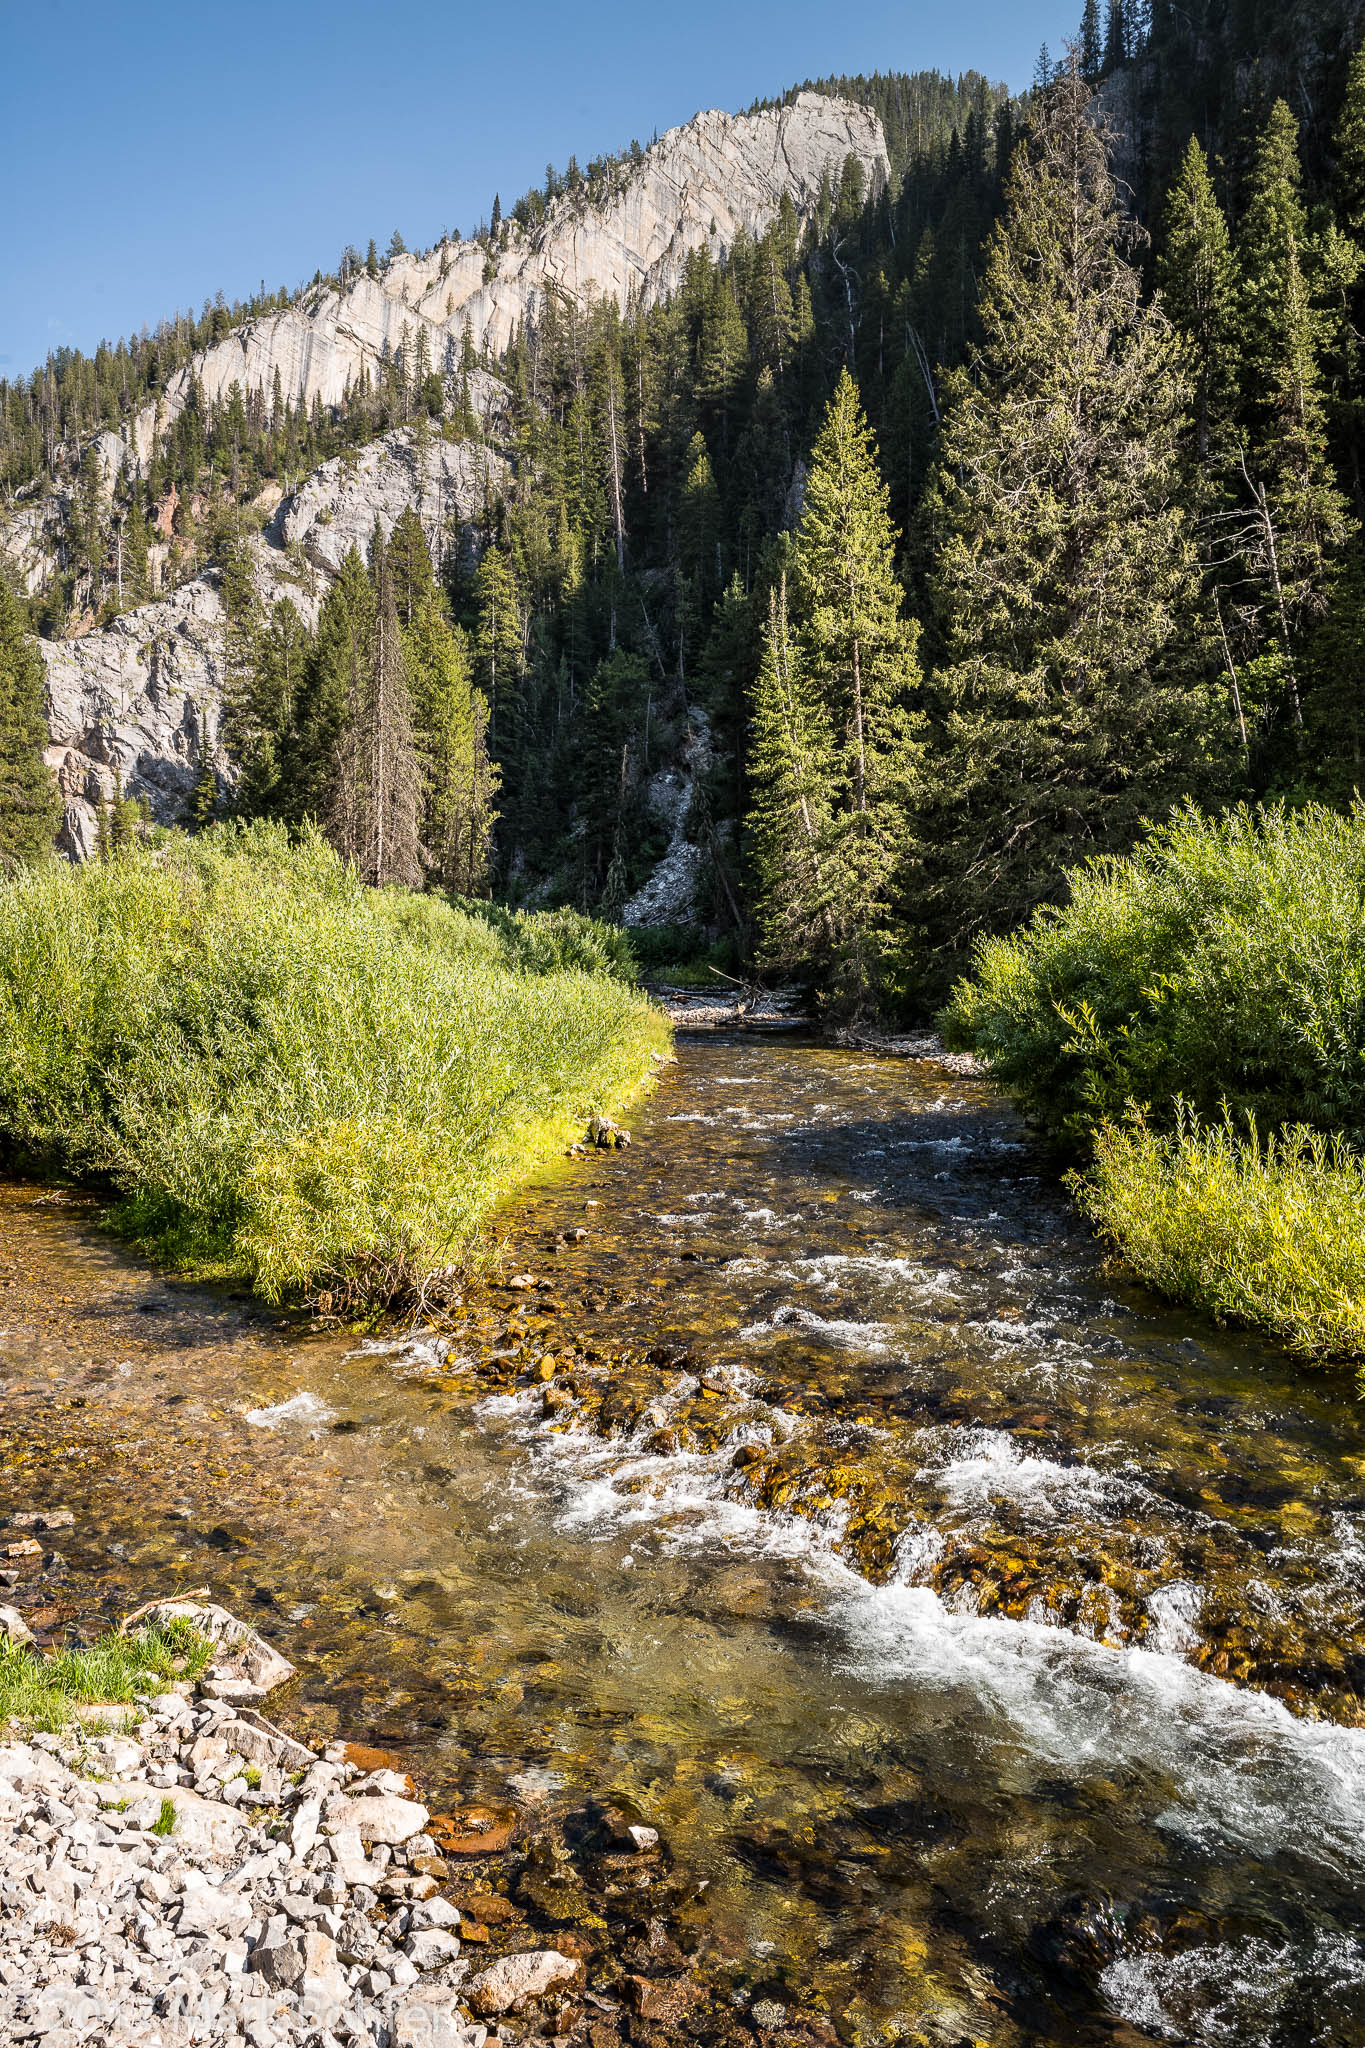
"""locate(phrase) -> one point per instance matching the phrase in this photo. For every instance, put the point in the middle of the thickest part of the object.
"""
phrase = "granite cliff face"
(718, 177)
(141, 700)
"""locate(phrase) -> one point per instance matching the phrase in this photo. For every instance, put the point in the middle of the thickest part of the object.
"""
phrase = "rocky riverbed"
(186, 1872)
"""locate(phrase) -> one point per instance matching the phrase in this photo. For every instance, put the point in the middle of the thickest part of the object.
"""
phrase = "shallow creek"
(988, 1638)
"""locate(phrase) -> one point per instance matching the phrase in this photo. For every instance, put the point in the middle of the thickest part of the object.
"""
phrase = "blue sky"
(152, 153)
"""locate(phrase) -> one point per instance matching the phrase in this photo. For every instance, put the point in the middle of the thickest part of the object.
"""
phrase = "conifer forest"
(942, 541)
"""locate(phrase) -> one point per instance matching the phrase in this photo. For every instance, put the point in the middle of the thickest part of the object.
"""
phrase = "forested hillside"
(929, 547)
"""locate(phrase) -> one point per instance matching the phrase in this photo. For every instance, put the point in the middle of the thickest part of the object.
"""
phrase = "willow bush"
(1268, 1232)
(1222, 961)
(1204, 989)
(287, 1075)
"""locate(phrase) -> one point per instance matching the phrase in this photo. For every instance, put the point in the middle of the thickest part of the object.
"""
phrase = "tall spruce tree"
(856, 658)
(333, 673)
(374, 796)
(1292, 519)
(450, 720)
(1066, 578)
(792, 770)
(1199, 288)
(29, 809)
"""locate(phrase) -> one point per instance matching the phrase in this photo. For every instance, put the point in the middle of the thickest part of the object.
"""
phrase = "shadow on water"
(988, 1637)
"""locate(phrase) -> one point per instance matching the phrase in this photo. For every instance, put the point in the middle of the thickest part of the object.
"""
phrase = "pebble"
(249, 1923)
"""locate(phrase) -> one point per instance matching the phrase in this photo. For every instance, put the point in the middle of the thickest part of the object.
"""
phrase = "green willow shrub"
(1223, 961)
(285, 1074)
(1265, 1232)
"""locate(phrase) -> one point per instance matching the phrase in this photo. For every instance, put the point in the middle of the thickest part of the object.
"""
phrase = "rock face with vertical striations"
(703, 185)
(139, 704)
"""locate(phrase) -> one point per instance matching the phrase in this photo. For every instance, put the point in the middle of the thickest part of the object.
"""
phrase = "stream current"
(986, 1636)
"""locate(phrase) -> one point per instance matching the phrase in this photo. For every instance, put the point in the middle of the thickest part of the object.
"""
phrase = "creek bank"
(190, 1873)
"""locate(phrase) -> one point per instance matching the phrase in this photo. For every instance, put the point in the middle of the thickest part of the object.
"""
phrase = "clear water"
(989, 1637)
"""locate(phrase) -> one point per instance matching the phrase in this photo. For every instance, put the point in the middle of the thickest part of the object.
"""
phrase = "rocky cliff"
(718, 177)
(142, 700)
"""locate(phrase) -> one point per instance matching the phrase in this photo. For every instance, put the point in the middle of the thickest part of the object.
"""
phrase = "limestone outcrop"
(138, 705)
(445, 484)
(704, 184)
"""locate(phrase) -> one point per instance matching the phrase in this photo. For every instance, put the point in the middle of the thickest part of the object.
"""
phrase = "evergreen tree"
(793, 772)
(1198, 283)
(333, 674)
(859, 652)
(202, 807)
(450, 719)
(1090, 53)
(374, 795)
(1066, 577)
(29, 809)
(1115, 36)
(1292, 518)
(499, 645)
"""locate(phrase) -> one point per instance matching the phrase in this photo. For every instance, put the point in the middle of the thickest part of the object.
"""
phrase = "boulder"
(245, 1666)
(514, 1982)
(211, 1909)
(13, 1627)
(430, 1947)
(377, 1819)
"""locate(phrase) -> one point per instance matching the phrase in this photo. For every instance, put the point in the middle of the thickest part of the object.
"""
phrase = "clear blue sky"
(153, 153)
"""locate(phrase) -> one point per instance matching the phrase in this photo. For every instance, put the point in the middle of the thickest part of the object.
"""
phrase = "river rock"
(515, 1982)
(380, 1818)
(431, 2018)
(13, 1627)
(430, 1947)
(246, 1667)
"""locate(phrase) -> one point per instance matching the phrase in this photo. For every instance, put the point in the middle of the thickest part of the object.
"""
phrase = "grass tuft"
(285, 1075)
(43, 1693)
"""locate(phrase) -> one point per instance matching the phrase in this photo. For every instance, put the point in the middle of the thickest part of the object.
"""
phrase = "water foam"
(849, 1336)
(303, 1407)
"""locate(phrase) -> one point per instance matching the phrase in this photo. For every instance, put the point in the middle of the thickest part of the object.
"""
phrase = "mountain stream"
(986, 1638)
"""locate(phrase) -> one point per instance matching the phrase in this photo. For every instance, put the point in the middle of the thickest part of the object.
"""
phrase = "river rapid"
(986, 1639)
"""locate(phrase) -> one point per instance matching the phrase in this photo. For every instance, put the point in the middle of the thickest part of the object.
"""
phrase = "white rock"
(431, 2018)
(303, 1827)
(434, 1913)
(211, 1909)
(516, 1981)
(380, 1819)
(13, 1627)
(431, 1947)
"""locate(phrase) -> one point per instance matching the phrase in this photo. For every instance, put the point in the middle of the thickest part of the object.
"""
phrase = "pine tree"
(202, 807)
(1066, 576)
(1350, 141)
(29, 808)
(859, 651)
(499, 646)
(1292, 519)
(374, 797)
(450, 719)
(1116, 50)
(793, 776)
(1090, 53)
(332, 674)
(1198, 284)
